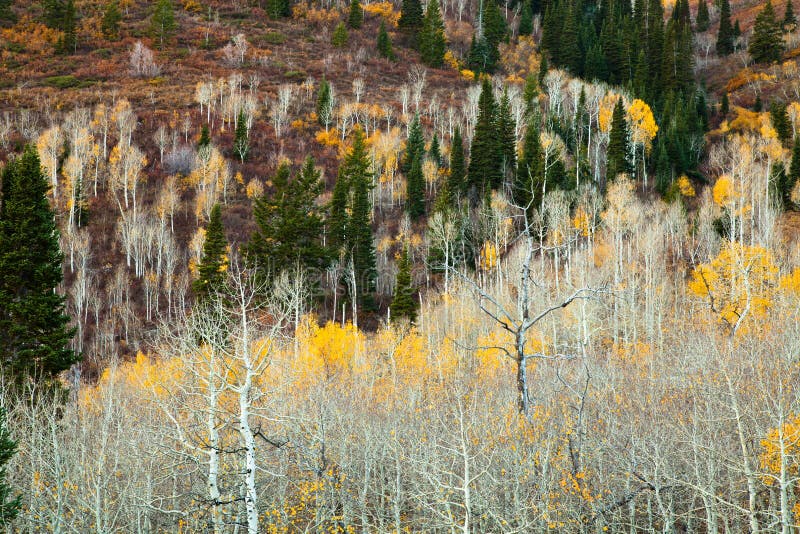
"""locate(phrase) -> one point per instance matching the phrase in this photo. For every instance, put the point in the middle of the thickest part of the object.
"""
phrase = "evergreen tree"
(66, 22)
(737, 30)
(340, 36)
(35, 335)
(8, 447)
(432, 39)
(544, 67)
(360, 241)
(338, 223)
(794, 166)
(780, 121)
(415, 145)
(484, 171)
(527, 191)
(569, 54)
(162, 21)
(214, 262)
(411, 17)
(324, 104)
(525, 19)
(53, 13)
(404, 305)
(766, 45)
(703, 21)
(480, 58)
(724, 106)
(506, 129)
(279, 8)
(355, 17)
(530, 92)
(789, 20)
(456, 180)
(205, 137)
(385, 43)
(8, 16)
(780, 185)
(289, 223)
(618, 160)
(112, 17)
(495, 29)
(725, 36)
(415, 190)
(435, 153)
(241, 138)
(551, 30)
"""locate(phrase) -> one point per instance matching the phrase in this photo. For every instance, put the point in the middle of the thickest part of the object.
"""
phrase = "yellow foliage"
(328, 351)
(450, 60)
(488, 256)
(581, 222)
(468, 74)
(781, 444)
(385, 10)
(724, 192)
(746, 76)
(643, 124)
(685, 186)
(746, 120)
(255, 188)
(791, 282)
(741, 280)
(329, 138)
(606, 111)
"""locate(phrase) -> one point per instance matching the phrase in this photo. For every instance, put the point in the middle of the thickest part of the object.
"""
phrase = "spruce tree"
(435, 152)
(456, 180)
(111, 21)
(385, 43)
(324, 104)
(702, 21)
(241, 138)
(53, 13)
(289, 223)
(355, 17)
(214, 262)
(789, 23)
(569, 54)
(758, 106)
(338, 223)
(35, 333)
(725, 35)
(415, 190)
(415, 145)
(67, 24)
(780, 121)
(162, 21)
(340, 36)
(404, 305)
(7, 15)
(9, 507)
(484, 157)
(411, 17)
(360, 241)
(618, 161)
(527, 190)
(205, 137)
(737, 30)
(794, 166)
(432, 39)
(525, 19)
(506, 130)
(724, 105)
(766, 45)
(278, 8)
(780, 185)
(480, 58)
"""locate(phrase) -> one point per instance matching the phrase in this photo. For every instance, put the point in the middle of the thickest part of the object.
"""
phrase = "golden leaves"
(643, 124)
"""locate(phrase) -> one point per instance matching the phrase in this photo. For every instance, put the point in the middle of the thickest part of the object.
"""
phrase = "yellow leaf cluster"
(781, 444)
(385, 10)
(450, 60)
(724, 192)
(643, 124)
(468, 74)
(488, 256)
(685, 187)
(329, 138)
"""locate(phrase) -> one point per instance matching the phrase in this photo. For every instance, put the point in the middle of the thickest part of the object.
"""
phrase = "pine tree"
(415, 145)
(758, 106)
(162, 21)
(506, 129)
(8, 447)
(385, 43)
(527, 189)
(214, 262)
(415, 190)
(67, 24)
(404, 305)
(111, 21)
(480, 57)
(766, 45)
(241, 138)
(702, 21)
(205, 137)
(278, 8)
(355, 17)
(724, 106)
(435, 152)
(456, 180)
(289, 223)
(789, 20)
(794, 166)
(35, 335)
(432, 39)
(780, 185)
(53, 13)
(725, 35)
(324, 104)
(340, 36)
(525, 19)
(360, 241)
(780, 121)
(338, 223)
(617, 152)
(737, 30)
(484, 156)
(411, 17)
(7, 15)
(569, 51)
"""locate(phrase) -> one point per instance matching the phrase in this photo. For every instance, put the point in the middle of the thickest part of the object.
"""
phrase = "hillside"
(455, 266)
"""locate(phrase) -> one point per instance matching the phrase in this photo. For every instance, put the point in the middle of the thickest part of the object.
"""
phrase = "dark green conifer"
(415, 145)
(702, 21)
(527, 190)
(241, 138)
(404, 305)
(525, 19)
(162, 21)
(278, 8)
(725, 36)
(411, 17)
(355, 17)
(35, 334)
(766, 44)
(794, 167)
(214, 262)
(360, 240)
(506, 130)
(415, 189)
(724, 105)
(7, 15)
(324, 104)
(456, 180)
(205, 137)
(385, 43)
(484, 171)
(340, 36)
(435, 152)
(618, 160)
(432, 39)
(780, 121)
(789, 23)
(112, 17)
(9, 507)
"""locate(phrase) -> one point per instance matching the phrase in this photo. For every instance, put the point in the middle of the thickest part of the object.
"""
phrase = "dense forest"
(399, 266)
